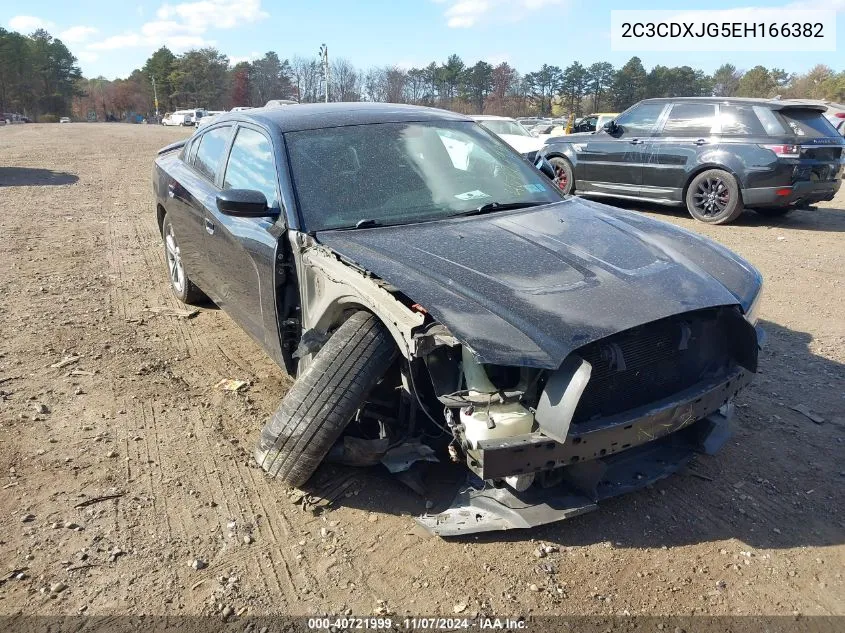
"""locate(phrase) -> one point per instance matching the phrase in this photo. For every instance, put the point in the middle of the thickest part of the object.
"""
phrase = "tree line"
(39, 76)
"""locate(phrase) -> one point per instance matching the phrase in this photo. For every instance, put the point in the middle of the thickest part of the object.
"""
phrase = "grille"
(652, 362)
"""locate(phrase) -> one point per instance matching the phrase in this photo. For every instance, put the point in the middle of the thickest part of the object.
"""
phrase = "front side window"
(399, 173)
(691, 119)
(209, 155)
(640, 120)
(251, 165)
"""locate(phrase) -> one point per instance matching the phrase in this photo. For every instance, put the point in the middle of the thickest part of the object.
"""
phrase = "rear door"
(686, 139)
(613, 163)
(187, 187)
(241, 251)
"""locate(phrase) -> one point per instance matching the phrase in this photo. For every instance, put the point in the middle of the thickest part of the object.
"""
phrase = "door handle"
(700, 141)
(209, 226)
(635, 141)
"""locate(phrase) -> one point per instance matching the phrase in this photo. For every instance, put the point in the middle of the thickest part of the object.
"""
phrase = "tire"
(180, 283)
(564, 177)
(773, 212)
(323, 400)
(713, 197)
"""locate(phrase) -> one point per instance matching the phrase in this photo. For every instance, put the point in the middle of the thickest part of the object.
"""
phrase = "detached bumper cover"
(621, 455)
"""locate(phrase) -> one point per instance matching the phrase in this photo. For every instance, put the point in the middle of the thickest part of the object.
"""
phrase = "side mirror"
(545, 167)
(610, 127)
(243, 203)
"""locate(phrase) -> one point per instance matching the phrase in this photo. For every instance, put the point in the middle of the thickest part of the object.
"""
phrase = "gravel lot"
(101, 396)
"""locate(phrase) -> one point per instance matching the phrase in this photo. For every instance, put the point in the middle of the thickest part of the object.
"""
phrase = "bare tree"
(346, 81)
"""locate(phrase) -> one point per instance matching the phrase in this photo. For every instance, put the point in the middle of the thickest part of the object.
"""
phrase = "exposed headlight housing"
(752, 314)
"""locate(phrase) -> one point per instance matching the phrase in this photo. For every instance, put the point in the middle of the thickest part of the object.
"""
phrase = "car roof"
(314, 116)
(774, 104)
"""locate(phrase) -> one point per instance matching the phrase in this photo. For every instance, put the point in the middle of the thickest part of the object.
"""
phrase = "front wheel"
(713, 197)
(564, 178)
(323, 400)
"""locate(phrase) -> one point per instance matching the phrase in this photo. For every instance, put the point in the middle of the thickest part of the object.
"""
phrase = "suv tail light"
(784, 151)
(840, 115)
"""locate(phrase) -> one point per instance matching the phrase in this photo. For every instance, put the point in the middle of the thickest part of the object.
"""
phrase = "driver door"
(613, 162)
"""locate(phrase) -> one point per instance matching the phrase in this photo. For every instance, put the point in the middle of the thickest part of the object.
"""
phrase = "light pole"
(155, 97)
(324, 58)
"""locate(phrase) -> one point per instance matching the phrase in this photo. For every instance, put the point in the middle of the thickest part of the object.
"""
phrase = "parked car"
(64, 119)
(174, 118)
(593, 122)
(555, 345)
(208, 117)
(717, 156)
(512, 133)
(835, 113)
(240, 108)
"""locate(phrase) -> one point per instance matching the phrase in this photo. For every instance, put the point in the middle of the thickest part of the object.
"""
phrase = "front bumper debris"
(616, 456)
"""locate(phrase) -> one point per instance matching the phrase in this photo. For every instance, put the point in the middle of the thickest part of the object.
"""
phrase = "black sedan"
(437, 297)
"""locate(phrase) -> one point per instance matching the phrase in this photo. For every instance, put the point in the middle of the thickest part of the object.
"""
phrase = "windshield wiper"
(499, 206)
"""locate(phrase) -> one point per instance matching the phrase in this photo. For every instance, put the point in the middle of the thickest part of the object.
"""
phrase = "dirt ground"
(101, 396)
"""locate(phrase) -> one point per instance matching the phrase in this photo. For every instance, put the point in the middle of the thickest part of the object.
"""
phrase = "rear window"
(806, 123)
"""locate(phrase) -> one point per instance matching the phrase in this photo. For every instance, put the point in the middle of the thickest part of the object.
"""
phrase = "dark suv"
(715, 155)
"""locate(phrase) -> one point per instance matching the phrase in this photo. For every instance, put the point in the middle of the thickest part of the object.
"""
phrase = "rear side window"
(742, 120)
(806, 123)
(690, 119)
(212, 146)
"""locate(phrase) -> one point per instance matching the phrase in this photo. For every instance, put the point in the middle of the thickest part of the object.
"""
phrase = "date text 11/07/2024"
(417, 623)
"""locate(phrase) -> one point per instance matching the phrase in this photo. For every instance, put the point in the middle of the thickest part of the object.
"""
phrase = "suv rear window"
(808, 123)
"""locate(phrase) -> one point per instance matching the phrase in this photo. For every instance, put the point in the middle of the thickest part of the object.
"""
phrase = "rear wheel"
(563, 174)
(181, 285)
(324, 399)
(713, 197)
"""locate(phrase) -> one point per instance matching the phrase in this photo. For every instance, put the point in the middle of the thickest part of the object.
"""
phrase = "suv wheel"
(713, 197)
(563, 174)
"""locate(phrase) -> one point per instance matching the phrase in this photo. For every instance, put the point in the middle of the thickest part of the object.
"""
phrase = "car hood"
(530, 286)
(522, 144)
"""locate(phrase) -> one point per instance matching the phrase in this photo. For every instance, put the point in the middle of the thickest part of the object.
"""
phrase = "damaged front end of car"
(541, 444)
(618, 414)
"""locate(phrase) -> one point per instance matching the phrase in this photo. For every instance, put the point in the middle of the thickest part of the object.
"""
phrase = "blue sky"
(113, 41)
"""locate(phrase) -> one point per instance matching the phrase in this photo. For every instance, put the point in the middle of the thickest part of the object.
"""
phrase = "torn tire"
(324, 398)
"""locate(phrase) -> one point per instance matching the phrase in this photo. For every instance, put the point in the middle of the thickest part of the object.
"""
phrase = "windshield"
(399, 173)
(504, 127)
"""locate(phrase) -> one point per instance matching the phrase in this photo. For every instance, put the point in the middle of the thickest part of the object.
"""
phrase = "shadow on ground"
(34, 177)
(827, 219)
(778, 483)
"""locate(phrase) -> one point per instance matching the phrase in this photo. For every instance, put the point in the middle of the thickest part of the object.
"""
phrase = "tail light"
(784, 151)
(840, 115)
